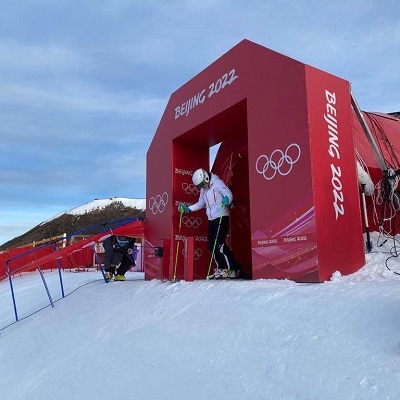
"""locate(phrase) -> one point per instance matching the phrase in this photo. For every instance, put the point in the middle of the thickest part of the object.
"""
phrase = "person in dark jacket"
(118, 256)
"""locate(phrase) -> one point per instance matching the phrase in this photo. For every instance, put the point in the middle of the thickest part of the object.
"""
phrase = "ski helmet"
(200, 177)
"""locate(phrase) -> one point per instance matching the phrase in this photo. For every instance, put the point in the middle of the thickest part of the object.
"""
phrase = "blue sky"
(83, 85)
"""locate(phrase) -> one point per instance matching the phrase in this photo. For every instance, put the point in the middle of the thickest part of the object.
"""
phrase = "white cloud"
(82, 98)
(36, 59)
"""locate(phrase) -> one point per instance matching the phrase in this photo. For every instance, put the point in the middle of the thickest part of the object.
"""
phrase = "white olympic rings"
(158, 203)
(197, 254)
(189, 188)
(282, 165)
(191, 222)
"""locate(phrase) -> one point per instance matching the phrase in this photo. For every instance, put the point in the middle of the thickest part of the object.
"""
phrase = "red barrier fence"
(79, 254)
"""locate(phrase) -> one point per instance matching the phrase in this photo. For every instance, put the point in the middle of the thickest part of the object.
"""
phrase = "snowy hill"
(98, 204)
(232, 340)
(81, 217)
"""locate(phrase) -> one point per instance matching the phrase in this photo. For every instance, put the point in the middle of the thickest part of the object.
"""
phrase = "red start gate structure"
(287, 152)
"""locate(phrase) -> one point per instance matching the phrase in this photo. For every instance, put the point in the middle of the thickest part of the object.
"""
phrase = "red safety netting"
(382, 206)
(32, 260)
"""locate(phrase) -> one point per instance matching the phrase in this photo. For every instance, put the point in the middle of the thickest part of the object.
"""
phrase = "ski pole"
(215, 241)
(177, 246)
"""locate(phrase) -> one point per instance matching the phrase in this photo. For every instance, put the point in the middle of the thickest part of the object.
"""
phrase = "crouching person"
(118, 256)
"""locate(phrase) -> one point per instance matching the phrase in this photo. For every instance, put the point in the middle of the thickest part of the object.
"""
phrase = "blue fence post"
(45, 285)
(12, 290)
(59, 272)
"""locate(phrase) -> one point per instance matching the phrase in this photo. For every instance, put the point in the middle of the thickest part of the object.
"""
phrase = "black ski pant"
(223, 255)
(124, 266)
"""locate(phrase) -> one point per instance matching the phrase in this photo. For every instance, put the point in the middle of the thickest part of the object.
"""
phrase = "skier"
(216, 197)
(118, 256)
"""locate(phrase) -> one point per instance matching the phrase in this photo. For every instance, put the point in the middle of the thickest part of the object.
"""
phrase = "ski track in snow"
(264, 339)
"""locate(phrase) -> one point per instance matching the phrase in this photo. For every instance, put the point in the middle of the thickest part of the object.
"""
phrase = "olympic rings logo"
(158, 203)
(197, 254)
(189, 188)
(191, 222)
(278, 162)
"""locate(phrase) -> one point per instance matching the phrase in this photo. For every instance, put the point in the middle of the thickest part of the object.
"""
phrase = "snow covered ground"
(154, 340)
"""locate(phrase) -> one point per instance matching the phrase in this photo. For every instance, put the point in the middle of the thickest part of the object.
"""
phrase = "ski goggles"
(201, 185)
(122, 241)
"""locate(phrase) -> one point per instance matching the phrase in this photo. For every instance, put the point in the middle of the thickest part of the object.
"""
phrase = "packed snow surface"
(208, 340)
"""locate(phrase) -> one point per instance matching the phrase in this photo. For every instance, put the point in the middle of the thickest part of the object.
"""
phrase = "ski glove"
(183, 208)
(225, 200)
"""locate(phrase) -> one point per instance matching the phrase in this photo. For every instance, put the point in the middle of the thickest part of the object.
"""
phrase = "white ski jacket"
(211, 199)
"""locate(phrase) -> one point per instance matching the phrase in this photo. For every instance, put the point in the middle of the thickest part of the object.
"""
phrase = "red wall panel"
(267, 111)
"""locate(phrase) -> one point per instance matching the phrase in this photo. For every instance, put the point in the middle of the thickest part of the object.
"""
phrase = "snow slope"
(153, 340)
